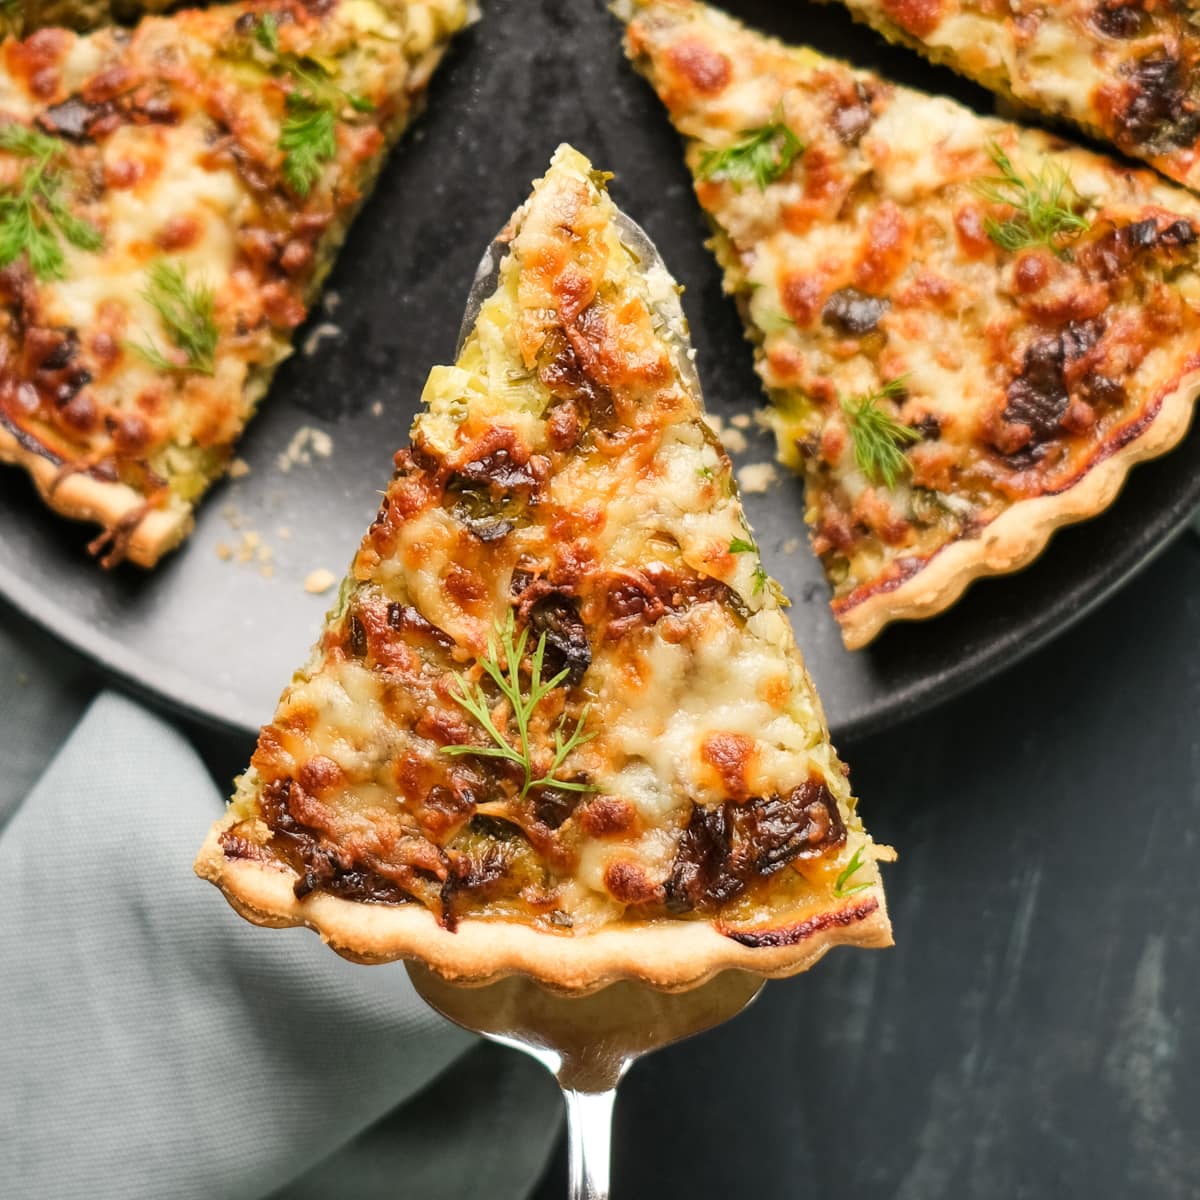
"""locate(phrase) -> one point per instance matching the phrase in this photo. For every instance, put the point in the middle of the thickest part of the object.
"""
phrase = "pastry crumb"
(224, 551)
(377, 409)
(306, 442)
(248, 546)
(331, 300)
(239, 469)
(757, 478)
(740, 421)
(324, 331)
(791, 546)
(734, 440)
(284, 532)
(320, 580)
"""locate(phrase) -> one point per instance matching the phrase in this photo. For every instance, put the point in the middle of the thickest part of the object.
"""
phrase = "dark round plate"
(218, 639)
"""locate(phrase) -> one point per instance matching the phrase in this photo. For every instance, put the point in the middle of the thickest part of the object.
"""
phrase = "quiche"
(556, 723)
(969, 330)
(1124, 70)
(171, 197)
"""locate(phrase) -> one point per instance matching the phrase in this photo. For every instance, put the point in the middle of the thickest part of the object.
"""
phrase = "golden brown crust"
(671, 955)
(1018, 536)
(111, 505)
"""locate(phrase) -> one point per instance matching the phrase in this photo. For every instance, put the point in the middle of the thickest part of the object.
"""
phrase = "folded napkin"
(152, 1044)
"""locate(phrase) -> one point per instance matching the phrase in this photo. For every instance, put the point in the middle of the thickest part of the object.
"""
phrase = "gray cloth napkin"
(152, 1044)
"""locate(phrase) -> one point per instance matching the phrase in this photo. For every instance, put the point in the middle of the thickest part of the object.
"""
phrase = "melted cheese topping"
(868, 261)
(561, 476)
(169, 148)
(1125, 70)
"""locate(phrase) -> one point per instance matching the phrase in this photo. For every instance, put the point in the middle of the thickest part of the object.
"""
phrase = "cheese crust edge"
(1016, 537)
(668, 955)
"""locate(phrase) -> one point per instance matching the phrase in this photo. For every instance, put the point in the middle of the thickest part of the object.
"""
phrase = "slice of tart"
(170, 199)
(557, 722)
(969, 330)
(1127, 71)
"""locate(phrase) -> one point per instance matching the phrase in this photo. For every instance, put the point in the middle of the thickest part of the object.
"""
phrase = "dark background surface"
(220, 638)
(1033, 1035)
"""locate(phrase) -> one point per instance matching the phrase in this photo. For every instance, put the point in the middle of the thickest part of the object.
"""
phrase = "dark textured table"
(1032, 1036)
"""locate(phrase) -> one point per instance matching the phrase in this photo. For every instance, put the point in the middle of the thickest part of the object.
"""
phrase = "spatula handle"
(589, 1134)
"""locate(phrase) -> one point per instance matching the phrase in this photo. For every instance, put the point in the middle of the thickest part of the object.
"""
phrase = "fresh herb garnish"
(502, 663)
(307, 136)
(33, 214)
(877, 438)
(187, 313)
(267, 33)
(739, 545)
(1048, 208)
(762, 156)
(840, 890)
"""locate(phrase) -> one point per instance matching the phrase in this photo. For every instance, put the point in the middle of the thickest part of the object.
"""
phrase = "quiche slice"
(1124, 70)
(171, 197)
(557, 723)
(969, 330)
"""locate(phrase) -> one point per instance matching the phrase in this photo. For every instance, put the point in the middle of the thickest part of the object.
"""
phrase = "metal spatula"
(589, 1042)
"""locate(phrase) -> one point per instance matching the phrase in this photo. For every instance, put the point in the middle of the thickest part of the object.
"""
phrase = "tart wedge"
(171, 198)
(969, 330)
(557, 723)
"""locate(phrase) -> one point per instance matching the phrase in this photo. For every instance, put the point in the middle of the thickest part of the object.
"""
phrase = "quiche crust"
(667, 954)
(1016, 537)
(142, 535)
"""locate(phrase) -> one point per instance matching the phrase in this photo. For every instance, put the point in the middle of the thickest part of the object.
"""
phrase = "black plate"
(219, 638)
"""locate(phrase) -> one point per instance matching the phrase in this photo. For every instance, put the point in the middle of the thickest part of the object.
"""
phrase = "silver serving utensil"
(589, 1042)
(586, 1042)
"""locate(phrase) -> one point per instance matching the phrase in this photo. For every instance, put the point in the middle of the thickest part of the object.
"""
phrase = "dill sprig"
(187, 312)
(762, 156)
(740, 545)
(307, 136)
(33, 214)
(1047, 206)
(502, 663)
(878, 438)
(840, 890)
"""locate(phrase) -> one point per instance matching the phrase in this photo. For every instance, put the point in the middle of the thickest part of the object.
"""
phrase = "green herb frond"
(878, 438)
(34, 217)
(1047, 209)
(739, 545)
(188, 315)
(307, 135)
(502, 664)
(840, 890)
(762, 156)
